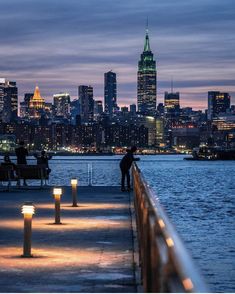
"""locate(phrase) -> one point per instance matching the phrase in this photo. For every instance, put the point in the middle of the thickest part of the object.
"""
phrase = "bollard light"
(57, 192)
(27, 210)
(74, 183)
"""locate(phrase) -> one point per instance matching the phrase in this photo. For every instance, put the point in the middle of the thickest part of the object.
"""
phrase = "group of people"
(21, 158)
(43, 159)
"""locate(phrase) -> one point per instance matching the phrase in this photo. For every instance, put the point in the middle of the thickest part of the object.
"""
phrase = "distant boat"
(212, 153)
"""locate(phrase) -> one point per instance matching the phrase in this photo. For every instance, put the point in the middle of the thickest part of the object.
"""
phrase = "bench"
(7, 175)
(32, 172)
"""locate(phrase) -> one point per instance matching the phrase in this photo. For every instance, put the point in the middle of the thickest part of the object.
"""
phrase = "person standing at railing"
(21, 153)
(125, 166)
(43, 159)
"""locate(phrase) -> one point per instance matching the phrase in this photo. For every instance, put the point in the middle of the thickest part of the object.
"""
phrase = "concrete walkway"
(92, 251)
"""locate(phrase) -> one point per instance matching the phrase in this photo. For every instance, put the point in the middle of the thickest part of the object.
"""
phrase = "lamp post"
(27, 210)
(57, 192)
(74, 183)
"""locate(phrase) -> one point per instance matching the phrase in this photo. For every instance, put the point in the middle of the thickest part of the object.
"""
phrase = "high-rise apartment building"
(24, 106)
(217, 103)
(61, 105)
(147, 80)
(98, 107)
(8, 100)
(86, 100)
(110, 92)
(133, 108)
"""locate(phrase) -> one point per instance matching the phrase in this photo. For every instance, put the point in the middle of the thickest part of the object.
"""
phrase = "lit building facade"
(24, 106)
(172, 104)
(217, 103)
(8, 100)
(36, 104)
(147, 81)
(110, 92)
(61, 105)
(7, 143)
(160, 132)
(86, 103)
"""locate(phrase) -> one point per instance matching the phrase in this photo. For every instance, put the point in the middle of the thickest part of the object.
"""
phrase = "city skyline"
(58, 48)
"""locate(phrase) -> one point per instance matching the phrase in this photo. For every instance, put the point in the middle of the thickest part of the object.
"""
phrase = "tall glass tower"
(147, 80)
(110, 92)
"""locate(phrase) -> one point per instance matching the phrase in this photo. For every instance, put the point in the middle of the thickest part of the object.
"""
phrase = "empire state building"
(147, 80)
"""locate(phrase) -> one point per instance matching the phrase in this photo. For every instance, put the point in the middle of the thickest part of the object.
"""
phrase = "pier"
(111, 242)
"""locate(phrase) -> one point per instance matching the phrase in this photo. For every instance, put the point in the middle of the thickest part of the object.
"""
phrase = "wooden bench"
(32, 172)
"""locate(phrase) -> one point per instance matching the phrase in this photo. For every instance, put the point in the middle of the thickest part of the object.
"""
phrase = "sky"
(60, 44)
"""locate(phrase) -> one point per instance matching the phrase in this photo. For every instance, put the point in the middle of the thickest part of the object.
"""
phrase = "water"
(198, 196)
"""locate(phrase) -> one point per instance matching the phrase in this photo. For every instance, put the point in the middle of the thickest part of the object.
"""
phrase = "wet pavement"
(91, 251)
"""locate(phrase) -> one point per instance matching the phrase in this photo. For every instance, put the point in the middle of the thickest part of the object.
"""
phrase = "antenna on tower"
(147, 25)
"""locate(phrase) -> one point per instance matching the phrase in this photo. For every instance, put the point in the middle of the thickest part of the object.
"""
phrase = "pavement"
(91, 251)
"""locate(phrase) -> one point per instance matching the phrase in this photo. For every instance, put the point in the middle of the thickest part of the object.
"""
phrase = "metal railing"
(166, 266)
(93, 171)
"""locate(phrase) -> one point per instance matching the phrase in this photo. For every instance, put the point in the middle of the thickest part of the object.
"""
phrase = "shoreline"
(93, 154)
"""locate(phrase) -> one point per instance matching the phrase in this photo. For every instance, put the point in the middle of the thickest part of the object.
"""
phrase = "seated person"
(7, 162)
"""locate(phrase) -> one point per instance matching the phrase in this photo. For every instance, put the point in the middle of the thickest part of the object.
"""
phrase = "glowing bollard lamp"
(27, 210)
(57, 192)
(74, 183)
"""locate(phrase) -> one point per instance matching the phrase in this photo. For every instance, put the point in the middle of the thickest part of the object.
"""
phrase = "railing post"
(89, 174)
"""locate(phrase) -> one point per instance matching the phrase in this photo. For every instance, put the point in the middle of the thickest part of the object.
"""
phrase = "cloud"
(61, 44)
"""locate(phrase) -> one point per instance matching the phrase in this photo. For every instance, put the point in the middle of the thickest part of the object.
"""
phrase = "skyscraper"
(110, 92)
(172, 104)
(147, 80)
(8, 100)
(62, 105)
(98, 107)
(86, 103)
(36, 104)
(133, 108)
(24, 106)
(217, 103)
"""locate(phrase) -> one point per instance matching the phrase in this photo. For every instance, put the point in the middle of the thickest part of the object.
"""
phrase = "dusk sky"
(60, 44)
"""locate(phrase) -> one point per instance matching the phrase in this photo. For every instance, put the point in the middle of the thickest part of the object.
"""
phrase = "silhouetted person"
(21, 153)
(43, 159)
(125, 166)
(7, 162)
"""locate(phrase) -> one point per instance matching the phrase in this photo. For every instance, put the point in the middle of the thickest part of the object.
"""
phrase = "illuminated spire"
(37, 95)
(36, 103)
(146, 44)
